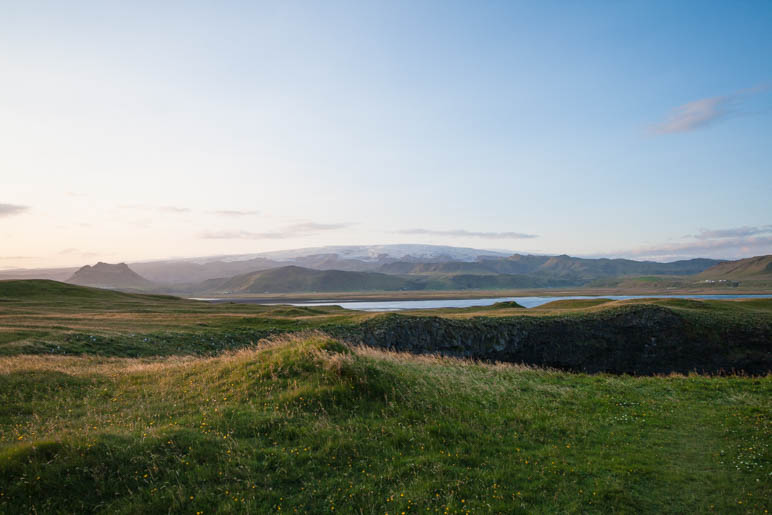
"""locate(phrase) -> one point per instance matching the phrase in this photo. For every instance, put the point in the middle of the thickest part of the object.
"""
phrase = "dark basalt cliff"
(631, 339)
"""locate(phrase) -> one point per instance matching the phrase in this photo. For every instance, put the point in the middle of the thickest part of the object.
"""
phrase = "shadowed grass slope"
(306, 424)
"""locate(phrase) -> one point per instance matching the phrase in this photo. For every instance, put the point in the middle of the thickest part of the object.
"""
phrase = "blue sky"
(136, 130)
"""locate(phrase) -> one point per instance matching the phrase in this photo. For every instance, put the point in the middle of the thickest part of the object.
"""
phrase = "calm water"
(528, 302)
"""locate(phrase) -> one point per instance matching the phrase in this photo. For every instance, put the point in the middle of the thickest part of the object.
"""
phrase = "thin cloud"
(733, 233)
(725, 248)
(314, 227)
(291, 231)
(244, 235)
(162, 209)
(173, 209)
(461, 233)
(694, 115)
(77, 252)
(235, 212)
(11, 209)
(705, 111)
(734, 243)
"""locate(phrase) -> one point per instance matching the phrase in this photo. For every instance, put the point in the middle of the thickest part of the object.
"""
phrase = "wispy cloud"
(705, 234)
(160, 209)
(11, 209)
(735, 243)
(244, 235)
(174, 209)
(705, 111)
(694, 115)
(291, 231)
(183, 210)
(306, 227)
(77, 252)
(234, 212)
(461, 233)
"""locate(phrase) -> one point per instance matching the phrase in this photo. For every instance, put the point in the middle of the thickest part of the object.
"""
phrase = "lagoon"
(527, 302)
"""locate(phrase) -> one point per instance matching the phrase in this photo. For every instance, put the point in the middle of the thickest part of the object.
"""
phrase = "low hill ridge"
(292, 278)
(758, 267)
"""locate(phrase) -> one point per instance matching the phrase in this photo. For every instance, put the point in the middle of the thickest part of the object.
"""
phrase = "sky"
(147, 130)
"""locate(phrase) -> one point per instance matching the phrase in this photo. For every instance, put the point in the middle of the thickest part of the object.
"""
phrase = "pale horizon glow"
(144, 131)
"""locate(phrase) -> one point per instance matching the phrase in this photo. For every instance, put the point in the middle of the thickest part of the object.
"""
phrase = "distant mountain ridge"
(395, 252)
(291, 279)
(350, 258)
(416, 259)
(295, 279)
(110, 276)
(384, 267)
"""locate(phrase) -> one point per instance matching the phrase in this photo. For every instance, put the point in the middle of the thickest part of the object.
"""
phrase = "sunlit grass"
(306, 424)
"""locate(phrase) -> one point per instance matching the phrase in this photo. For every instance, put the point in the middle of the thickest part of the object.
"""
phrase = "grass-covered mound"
(306, 424)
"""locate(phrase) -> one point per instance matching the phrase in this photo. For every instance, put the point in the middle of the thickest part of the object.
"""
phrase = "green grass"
(305, 424)
(121, 403)
(47, 317)
(39, 316)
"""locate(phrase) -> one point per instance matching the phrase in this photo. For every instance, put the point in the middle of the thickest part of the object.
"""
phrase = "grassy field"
(305, 424)
(167, 405)
(48, 317)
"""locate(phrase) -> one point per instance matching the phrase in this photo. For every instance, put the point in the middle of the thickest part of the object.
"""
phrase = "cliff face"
(632, 339)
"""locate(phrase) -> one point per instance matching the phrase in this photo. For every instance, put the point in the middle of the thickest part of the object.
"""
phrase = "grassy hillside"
(122, 403)
(305, 424)
(292, 279)
(639, 336)
(484, 282)
(45, 317)
(752, 274)
(759, 267)
(553, 270)
(298, 279)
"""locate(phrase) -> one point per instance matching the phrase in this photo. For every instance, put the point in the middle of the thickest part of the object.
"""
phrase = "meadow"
(298, 421)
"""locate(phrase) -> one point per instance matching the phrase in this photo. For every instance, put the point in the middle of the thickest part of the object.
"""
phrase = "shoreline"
(458, 295)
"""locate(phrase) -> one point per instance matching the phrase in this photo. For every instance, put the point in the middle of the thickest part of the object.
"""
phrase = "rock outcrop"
(106, 275)
(641, 339)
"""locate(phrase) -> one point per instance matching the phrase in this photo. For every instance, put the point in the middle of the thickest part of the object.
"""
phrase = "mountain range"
(391, 268)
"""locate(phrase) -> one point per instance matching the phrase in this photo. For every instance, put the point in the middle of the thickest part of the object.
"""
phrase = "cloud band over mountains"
(733, 243)
(461, 233)
(290, 231)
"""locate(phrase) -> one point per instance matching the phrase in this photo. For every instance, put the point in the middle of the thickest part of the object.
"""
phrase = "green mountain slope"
(294, 279)
(53, 295)
(290, 279)
(759, 267)
(564, 268)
